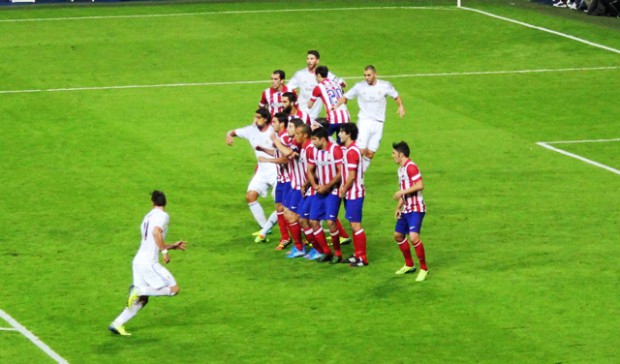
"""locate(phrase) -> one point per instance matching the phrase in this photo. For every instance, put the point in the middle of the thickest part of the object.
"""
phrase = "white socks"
(273, 219)
(257, 211)
(127, 314)
(365, 163)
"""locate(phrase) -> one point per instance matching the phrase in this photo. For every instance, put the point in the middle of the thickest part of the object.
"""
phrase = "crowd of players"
(310, 173)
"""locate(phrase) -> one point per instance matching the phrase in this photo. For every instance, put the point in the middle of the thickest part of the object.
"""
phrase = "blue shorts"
(282, 190)
(410, 223)
(305, 206)
(293, 201)
(325, 207)
(353, 209)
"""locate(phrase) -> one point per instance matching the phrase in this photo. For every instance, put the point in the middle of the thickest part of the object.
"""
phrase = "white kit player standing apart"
(305, 81)
(258, 134)
(149, 277)
(371, 95)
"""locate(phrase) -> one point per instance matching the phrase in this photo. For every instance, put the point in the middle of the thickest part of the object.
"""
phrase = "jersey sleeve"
(414, 173)
(160, 220)
(244, 132)
(352, 93)
(390, 90)
(353, 160)
(263, 100)
(338, 155)
(310, 156)
(316, 93)
(293, 83)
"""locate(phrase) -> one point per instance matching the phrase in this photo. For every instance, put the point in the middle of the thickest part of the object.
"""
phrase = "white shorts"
(261, 183)
(152, 275)
(370, 133)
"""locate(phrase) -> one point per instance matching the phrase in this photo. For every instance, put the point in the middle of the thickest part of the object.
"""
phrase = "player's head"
(320, 137)
(370, 74)
(312, 58)
(158, 198)
(348, 132)
(322, 71)
(279, 122)
(320, 122)
(262, 118)
(292, 125)
(288, 101)
(277, 79)
(302, 131)
(400, 151)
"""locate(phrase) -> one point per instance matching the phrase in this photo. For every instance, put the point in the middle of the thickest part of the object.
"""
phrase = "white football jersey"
(371, 98)
(259, 138)
(148, 252)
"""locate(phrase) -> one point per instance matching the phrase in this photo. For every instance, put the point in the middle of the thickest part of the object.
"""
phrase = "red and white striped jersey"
(300, 114)
(283, 169)
(330, 92)
(408, 175)
(306, 156)
(296, 167)
(353, 162)
(272, 99)
(328, 163)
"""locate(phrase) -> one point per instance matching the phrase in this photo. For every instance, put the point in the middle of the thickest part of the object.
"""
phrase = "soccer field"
(513, 119)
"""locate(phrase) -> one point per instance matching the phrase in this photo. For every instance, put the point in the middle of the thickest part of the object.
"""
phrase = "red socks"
(404, 248)
(336, 243)
(282, 224)
(359, 245)
(296, 232)
(321, 243)
(419, 251)
(341, 231)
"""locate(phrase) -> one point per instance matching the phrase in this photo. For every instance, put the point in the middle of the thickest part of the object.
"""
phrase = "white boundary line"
(8, 329)
(226, 83)
(577, 156)
(35, 340)
(231, 12)
(543, 29)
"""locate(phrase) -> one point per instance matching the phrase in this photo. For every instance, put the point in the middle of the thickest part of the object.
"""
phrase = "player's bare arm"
(286, 151)
(269, 151)
(329, 186)
(158, 235)
(341, 101)
(351, 177)
(418, 186)
(230, 137)
(179, 245)
(399, 209)
(401, 107)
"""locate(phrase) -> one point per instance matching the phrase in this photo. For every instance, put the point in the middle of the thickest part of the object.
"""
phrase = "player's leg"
(374, 140)
(415, 226)
(317, 213)
(353, 213)
(291, 206)
(332, 207)
(304, 221)
(159, 281)
(259, 186)
(400, 236)
(131, 310)
(282, 192)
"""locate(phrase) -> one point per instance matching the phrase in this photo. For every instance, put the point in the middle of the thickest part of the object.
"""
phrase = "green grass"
(521, 242)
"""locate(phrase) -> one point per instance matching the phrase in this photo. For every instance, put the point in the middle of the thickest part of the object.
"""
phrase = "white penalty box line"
(547, 145)
(16, 326)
